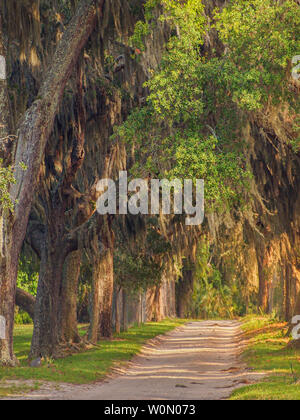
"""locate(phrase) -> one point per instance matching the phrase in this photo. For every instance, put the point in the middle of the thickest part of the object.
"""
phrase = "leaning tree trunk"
(33, 134)
(69, 294)
(8, 271)
(8, 247)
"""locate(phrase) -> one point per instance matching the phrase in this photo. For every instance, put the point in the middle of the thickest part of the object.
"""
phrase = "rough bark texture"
(107, 279)
(103, 288)
(125, 311)
(25, 301)
(8, 262)
(56, 238)
(117, 311)
(8, 274)
(184, 290)
(33, 135)
(96, 300)
(45, 338)
(4, 104)
(69, 293)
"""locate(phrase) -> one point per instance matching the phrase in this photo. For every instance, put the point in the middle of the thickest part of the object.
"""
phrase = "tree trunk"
(26, 302)
(68, 313)
(107, 276)
(96, 300)
(118, 318)
(125, 311)
(154, 304)
(8, 271)
(103, 283)
(297, 306)
(4, 102)
(295, 313)
(8, 262)
(33, 135)
(288, 281)
(46, 334)
(184, 291)
(55, 319)
(140, 310)
(264, 279)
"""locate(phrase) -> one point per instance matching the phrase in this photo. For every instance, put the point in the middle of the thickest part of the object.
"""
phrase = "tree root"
(10, 362)
(66, 349)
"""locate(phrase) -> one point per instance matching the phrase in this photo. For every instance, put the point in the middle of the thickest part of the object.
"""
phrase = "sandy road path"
(198, 361)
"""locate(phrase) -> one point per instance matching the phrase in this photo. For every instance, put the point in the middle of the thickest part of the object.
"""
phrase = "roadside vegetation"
(81, 368)
(268, 352)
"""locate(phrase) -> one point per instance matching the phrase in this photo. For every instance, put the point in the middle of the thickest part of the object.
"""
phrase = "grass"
(16, 390)
(82, 368)
(268, 352)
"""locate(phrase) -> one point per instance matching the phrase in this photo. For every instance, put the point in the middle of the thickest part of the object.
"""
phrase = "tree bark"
(264, 277)
(68, 314)
(297, 306)
(288, 282)
(296, 343)
(184, 291)
(125, 311)
(118, 318)
(4, 103)
(26, 302)
(154, 307)
(8, 269)
(33, 134)
(97, 298)
(46, 333)
(55, 319)
(8, 275)
(103, 283)
(108, 289)
(139, 310)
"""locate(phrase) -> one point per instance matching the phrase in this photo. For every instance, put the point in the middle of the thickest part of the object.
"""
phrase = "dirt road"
(198, 361)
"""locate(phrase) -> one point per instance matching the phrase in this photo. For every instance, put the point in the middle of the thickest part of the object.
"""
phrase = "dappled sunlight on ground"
(200, 360)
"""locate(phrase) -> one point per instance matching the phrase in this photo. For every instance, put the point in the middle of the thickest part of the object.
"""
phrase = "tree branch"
(37, 123)
(25, 301)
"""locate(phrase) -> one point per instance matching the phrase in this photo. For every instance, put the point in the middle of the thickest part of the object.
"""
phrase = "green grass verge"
(268, 352)
(16, 390)
(87, 367)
